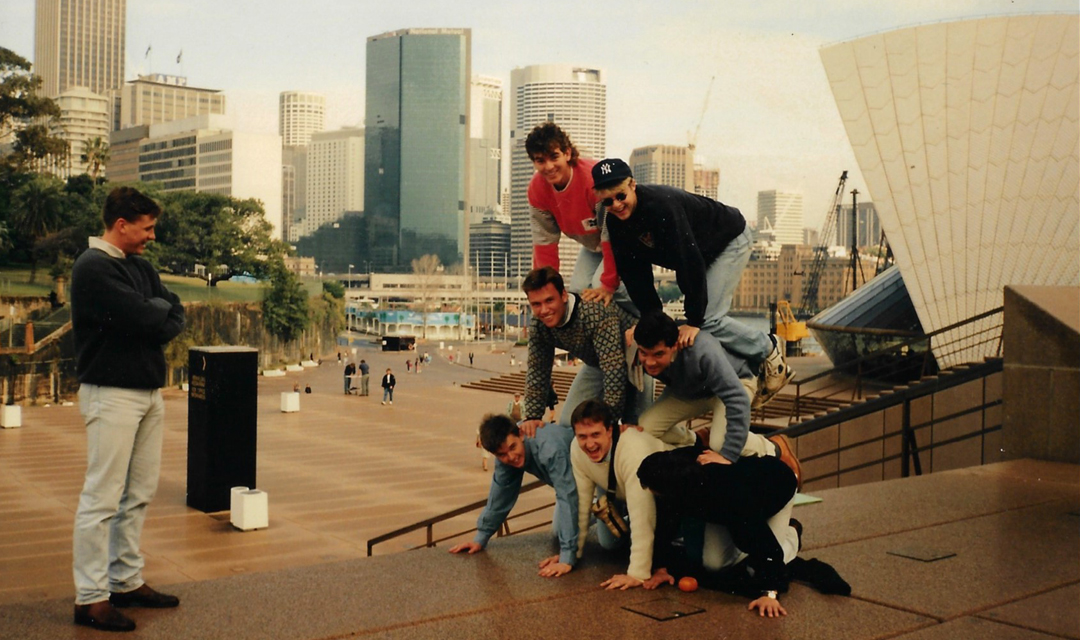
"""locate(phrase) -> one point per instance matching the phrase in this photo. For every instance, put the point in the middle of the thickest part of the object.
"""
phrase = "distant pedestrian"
(485, 455)
(388, 384)
(339, 357)
(365, 377)
(515, 409)
(408, 366)
(350, 371)
(470, 358)
(416, 364)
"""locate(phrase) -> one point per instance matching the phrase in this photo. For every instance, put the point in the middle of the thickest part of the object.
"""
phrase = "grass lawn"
(15, 281)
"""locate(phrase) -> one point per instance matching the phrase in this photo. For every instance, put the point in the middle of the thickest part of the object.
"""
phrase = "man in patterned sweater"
(591, 332)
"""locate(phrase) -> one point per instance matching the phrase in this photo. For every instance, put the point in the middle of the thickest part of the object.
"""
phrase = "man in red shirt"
(562, 201)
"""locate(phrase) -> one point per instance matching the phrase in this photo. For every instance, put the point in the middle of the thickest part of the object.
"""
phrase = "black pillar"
(222, 406)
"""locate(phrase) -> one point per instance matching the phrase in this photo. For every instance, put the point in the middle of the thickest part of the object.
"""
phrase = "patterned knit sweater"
(595, 335)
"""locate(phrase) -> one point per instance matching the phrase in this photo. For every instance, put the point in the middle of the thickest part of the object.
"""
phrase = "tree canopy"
(227, 235)
(23, 111)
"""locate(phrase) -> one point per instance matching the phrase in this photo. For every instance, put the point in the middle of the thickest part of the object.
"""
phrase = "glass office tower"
(418, 83)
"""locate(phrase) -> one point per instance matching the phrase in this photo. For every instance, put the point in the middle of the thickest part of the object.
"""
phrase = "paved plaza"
(345, 469)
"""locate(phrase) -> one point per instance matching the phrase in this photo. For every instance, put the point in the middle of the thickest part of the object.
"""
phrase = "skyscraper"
(79, 43)
(783, 214)
(335, 177)
(417, 150)
(573, 97)
(707, 182)
(300, 114)
(665, 164)
(485, 142)
(867, 226)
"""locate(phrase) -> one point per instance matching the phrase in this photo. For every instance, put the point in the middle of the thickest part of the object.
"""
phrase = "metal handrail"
(910, 449)
(430, 523)
(925, 341)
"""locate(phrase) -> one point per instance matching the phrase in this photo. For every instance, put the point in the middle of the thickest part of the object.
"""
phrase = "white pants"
(123, 455)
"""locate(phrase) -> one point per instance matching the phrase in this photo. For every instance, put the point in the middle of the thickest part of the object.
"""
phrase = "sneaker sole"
(765, 396)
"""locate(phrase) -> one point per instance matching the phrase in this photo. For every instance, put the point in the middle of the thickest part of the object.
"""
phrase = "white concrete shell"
(967, 136)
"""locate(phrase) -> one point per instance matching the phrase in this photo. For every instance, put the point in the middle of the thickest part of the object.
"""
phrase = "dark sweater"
(677, 230)
(122, 317)
(594, 335)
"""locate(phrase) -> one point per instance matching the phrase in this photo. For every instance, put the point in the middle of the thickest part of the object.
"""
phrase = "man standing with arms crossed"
(122, 316)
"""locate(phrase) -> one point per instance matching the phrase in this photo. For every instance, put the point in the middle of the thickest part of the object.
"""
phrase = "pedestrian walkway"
(985, 552)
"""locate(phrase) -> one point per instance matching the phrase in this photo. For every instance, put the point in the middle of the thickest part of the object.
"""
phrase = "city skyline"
(779, 130)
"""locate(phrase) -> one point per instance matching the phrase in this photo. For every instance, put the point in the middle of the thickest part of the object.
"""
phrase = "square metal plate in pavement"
(663, 609)
(922, 554)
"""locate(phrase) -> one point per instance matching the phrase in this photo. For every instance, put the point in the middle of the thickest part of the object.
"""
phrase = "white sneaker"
(775, 375)
(391, 402)
(383, 403)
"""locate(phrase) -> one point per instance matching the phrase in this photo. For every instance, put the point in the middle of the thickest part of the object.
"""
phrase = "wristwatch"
(770, 594)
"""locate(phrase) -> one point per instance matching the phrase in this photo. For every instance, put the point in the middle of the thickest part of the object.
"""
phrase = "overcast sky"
(771, 122)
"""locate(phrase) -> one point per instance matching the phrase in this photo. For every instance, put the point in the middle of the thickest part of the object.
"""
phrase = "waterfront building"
(780, 216)
(575, 98)
(777, 272)
(417, 151)
(79, 43)
(967, 137)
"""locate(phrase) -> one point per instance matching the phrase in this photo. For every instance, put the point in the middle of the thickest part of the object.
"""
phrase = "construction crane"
(693, 136)
(810, 305)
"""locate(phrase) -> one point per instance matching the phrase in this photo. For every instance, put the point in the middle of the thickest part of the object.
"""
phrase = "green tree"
(95, 156)
(228, 235)
(37, 211)
(285, 305)
(33, 145)
(334, 289)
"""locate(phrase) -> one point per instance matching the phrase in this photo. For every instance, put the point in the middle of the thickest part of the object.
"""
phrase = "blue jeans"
(587, 272)
(388, 392)
(589, 385)
(123, 454)
(722, 277)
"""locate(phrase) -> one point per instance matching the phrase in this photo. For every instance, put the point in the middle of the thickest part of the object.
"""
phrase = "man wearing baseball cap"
(706, 243)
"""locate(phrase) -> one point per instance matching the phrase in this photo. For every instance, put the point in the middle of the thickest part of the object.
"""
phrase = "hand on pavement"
(468, 547)
(621, 582)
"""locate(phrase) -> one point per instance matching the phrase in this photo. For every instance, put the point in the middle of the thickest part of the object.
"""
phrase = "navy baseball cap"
(610, 172)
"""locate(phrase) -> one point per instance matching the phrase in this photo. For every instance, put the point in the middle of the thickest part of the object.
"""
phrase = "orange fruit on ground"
(688, 584)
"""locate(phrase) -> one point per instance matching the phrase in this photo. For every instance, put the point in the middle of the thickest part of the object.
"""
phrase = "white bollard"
(234, 498)
(290, 401)
(10, 416)
(252, 510)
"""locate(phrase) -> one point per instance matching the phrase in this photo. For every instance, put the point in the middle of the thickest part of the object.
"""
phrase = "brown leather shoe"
(103, 616)
(144, 597)
(783, 445)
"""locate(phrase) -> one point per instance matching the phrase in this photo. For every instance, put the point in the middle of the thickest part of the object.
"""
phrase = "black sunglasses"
(621, 197)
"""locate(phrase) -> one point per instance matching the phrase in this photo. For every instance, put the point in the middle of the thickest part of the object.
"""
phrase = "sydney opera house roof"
(967, 136)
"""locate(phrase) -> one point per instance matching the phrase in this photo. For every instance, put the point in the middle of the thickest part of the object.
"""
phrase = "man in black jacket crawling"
(122, 317)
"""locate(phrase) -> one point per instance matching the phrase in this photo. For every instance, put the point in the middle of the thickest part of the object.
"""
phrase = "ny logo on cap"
(605, 168)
